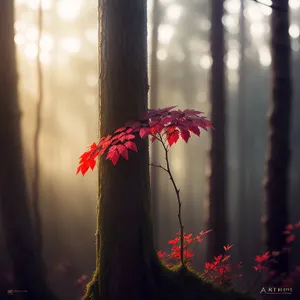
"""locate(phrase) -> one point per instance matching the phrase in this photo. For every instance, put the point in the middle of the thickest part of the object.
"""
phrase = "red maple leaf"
(185, 134)
(202, 233)
(87, 159)
(121, 129)
(187, 254)
(161, 254)
(123, 151)
(174, 241)
(144, 132)
(228, 247)
(131, 145)
(113, 154)
(188, 238)
(262, 258)
(209, 266)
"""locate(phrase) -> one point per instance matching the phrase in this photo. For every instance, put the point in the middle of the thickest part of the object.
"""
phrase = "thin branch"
(158, 166)
(159, 137)
(179, 203)
(274, 7)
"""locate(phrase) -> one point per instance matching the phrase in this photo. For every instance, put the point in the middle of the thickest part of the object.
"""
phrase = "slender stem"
(179, 203)
(158, 166)
(159, 137)
(274, 7)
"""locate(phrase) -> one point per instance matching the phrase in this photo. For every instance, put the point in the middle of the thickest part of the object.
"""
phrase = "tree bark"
(154, 104)
(36, 166)
(241, 110)
(276, 182)
(125, 254)
(15, 213)
(217, 191)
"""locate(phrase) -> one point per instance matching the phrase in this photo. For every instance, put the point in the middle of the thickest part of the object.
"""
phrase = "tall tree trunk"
(217, 191)
(125, 252)
(188, 92)
(36, 167)
(27, 261)
(154, 104)
(276, 182)
(241, 126)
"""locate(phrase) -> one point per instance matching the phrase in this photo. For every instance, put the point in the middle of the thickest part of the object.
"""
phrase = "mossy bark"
(125, 254)
(217, 169)
(20, 237)
(276, 182)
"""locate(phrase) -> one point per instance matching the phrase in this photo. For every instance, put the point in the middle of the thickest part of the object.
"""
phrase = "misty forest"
(149, 149)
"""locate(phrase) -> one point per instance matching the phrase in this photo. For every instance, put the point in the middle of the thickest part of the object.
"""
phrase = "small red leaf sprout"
(221, 270)
(189, 246)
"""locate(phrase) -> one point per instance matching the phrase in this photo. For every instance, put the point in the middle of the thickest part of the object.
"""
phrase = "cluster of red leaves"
(264, 260)
(166, 125)
(290, 232)
(189, 242)
(220, 270)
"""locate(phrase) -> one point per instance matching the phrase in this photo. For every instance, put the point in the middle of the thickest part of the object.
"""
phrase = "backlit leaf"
(144, 132)
(123, 151)
(173, 137)
(131, 145)
(113, 155)
(185, 134)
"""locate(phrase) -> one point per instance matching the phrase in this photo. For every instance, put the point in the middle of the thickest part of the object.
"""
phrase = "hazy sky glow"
(69, 11)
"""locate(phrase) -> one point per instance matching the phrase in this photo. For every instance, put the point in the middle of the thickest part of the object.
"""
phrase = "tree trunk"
(125, 251)
(36, 166)
(241, 127)
(15, 213)
(154, 104)
(217, 191)
(276, 182)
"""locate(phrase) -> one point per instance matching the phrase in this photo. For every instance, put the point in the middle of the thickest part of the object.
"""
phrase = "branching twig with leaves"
(165, 125)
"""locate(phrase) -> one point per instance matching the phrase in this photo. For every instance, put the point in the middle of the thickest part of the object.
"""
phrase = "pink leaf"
(173, 137)
(194, 129)
(192, 112)
(113, 155)
(144, 132)
(120, 129)
(130, 136)
(185, 134)
(131, 145)
(123, 151)
(133, 124)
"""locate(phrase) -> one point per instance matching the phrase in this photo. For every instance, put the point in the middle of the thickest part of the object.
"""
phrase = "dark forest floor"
(186, 284)
(183, 284)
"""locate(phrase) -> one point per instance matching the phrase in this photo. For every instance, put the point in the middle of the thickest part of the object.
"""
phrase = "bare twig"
(273, 6)
(158, 166)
